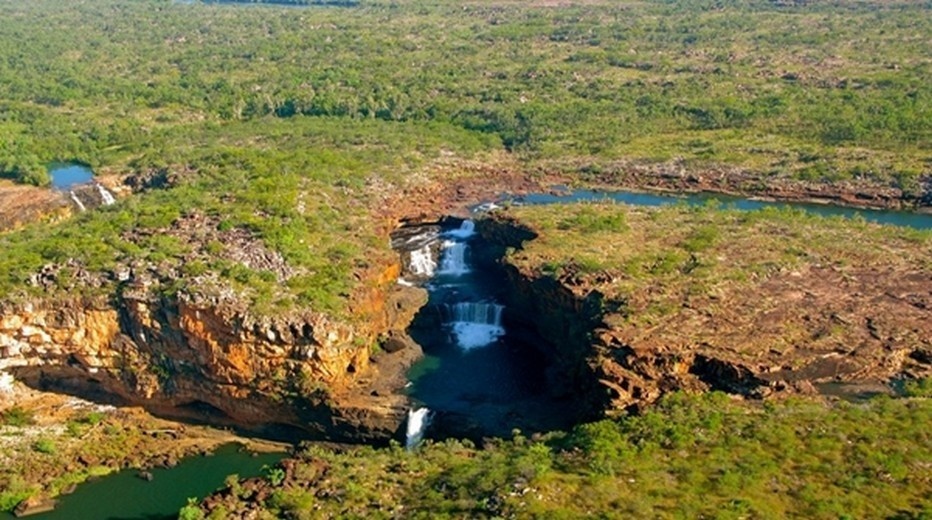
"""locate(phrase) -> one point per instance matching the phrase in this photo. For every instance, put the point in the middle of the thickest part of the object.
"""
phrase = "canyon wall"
(209, 359)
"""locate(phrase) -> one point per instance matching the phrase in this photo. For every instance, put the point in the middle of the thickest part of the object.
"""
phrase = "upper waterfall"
(466, 230)
(453, 259)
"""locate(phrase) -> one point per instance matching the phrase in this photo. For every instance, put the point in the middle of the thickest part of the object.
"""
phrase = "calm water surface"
(125, 496)
(67, 175)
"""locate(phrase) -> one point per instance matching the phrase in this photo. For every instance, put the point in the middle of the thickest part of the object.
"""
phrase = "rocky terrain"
(639, 311)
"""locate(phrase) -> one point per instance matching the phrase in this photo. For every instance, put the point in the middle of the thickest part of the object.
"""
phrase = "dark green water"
(125, 496)
(67, 175)
(896, 218)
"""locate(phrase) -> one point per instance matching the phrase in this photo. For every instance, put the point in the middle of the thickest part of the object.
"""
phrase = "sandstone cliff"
(211, 360)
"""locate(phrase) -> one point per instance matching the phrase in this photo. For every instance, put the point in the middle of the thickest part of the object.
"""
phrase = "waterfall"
(453, 260)
(466, 230)
(476, 324)
(484, 313)
(77, 201)
(422, 262)
(418, 420)
(6, 383)
(105, 196)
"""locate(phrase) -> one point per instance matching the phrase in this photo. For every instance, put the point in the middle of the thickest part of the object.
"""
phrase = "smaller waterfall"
(105, 196)
(418, 420)
(476, 324)
(453, 260)
(78, 202)
(466, 230)
(6, 383)
(422, 262)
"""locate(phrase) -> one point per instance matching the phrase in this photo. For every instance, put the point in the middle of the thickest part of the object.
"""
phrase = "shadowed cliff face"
(211, 361)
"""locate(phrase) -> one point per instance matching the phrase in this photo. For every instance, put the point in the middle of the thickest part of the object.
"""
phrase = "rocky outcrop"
(612, 365)
(209, 359)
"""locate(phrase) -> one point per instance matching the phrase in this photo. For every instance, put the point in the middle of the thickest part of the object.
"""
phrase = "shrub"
(17, 416)
(46, 446)
(918, 388)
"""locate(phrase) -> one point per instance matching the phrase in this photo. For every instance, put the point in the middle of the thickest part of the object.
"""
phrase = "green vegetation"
(45, 446)
(286, 132)
(296, 124)
(918, 388)
(847, 95)
(16, 416)
(657, 258)
(690, 457)
(304, 191)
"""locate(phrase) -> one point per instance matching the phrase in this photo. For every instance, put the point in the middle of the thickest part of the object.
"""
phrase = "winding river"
(897, 218)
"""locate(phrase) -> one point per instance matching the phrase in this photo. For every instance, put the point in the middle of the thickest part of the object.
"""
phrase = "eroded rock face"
(613, 365)
(212, 360)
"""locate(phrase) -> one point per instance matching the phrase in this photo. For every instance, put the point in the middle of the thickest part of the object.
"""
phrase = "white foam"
(476, 335)
(422, 262)
(486, 206)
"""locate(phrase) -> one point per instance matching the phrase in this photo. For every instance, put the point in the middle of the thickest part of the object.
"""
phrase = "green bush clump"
(587, 220)
(45, 446)
(918, 387)
(17, 416)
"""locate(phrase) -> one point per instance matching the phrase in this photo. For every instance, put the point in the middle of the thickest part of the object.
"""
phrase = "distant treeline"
(332, 3)
(824, 93)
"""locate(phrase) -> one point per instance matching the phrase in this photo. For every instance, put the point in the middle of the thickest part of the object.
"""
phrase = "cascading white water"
(78, 202)
(466, 230)
(418, 420)
(6, 383)
(453, 260)
(105, 196)
(422, 262)
(486, 313)
(476, 324)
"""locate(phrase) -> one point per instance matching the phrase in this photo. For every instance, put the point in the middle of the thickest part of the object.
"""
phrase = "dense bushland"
(690, 457)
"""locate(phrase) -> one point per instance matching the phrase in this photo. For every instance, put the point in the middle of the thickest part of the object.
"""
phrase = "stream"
(476, 378)
(897, 218)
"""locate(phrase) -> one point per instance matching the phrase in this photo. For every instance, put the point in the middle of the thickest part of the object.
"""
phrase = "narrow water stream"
(896, 218)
